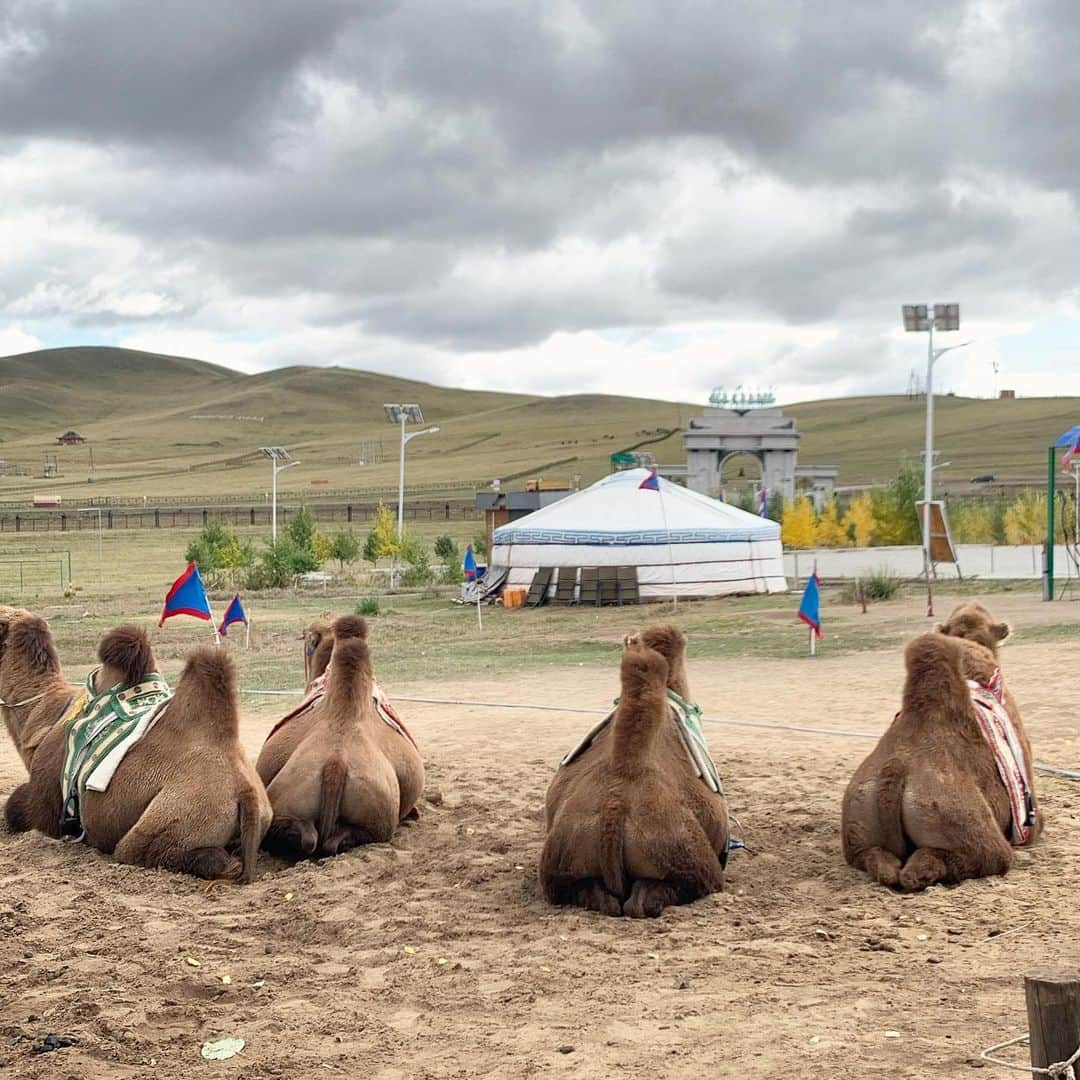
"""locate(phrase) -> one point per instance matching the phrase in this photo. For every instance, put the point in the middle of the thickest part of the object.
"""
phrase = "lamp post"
(917, 318)
(279, 462)
(100, 542)
(402, 414)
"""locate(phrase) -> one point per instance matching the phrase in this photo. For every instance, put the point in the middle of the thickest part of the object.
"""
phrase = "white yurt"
(634, 536)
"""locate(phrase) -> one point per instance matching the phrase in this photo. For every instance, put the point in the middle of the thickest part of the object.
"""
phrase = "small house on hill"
(70, 438)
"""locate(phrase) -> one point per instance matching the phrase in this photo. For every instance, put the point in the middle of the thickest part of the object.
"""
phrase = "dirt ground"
(436, 956)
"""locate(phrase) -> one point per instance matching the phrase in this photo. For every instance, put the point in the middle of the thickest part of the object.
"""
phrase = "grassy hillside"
(162, 425)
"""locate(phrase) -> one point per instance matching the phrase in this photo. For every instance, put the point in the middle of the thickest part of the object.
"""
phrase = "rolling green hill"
(163, 425)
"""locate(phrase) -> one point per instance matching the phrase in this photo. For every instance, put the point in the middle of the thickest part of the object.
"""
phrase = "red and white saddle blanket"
(382, 707)
(1003, 739)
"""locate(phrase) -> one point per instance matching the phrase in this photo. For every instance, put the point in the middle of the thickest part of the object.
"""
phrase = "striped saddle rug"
(100, 728)
(687, 719)
(382, 707)
(1004, 741)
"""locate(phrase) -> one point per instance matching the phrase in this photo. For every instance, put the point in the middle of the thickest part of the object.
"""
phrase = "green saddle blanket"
(100, 727)
(687, 718)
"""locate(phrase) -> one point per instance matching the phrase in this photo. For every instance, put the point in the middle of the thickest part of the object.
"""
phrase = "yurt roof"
(617, 510)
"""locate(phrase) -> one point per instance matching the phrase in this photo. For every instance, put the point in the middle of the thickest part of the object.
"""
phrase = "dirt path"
(436, 957)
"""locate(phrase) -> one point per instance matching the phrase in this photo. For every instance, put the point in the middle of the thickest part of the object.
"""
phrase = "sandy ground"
(436, 956)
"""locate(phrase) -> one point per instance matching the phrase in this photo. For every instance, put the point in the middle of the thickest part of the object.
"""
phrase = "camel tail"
(250, 834)
(333, 787)
(890, 797)
(612, 872)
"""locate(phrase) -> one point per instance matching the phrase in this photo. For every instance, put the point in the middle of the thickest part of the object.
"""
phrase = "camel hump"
(207, 690)
(643, 668)
(31, 639)
(127, 650)
(668, 640)
(935, 677)
(350, 676)
(350, 626)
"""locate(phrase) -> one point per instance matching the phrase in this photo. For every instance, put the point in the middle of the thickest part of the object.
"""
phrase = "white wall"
(976, 561)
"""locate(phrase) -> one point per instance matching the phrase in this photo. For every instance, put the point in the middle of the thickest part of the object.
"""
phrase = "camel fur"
(631, 829)
(338, 775)
(928, 804)
(181, 796)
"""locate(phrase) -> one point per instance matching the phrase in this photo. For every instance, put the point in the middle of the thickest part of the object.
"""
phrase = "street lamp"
(100, 541)
(405, 414)
(279, 462)
(918, 319)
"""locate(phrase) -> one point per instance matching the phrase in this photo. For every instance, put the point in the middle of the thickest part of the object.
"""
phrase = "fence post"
(108, 515)
(157, 519)
(18, 528)
(1053, 1008)
(253, 515)
(348, 513)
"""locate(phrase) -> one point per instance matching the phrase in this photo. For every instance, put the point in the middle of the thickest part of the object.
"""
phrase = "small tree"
(1025, 520)
(302, 530)
(382, 540)
(278, 563)
(774, 507)
(418, 560)
(829, 531)
(345, 547)
(322, 547)
(445, 548)
(798, 528)
(859, 521)
(220, 554)
(479, 545)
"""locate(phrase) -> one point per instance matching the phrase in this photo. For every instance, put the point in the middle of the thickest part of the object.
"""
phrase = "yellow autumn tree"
(830, 531)
(1025, 520)
(799, 527)
(972, 522)
(859, 521)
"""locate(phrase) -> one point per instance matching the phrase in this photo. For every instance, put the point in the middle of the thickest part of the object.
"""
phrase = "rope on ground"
(1060, 1070)
(1071, 774)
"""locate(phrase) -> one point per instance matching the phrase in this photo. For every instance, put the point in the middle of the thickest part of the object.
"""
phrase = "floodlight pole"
(401, 481)
(273, 499)
(932, 355)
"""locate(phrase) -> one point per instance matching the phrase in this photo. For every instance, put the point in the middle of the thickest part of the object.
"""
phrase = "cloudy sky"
(631, 196)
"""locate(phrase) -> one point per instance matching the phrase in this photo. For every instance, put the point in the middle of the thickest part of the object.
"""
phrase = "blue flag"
(810, 607)
(187, 597)
(470, 564)
(235, 614)
(651, 482)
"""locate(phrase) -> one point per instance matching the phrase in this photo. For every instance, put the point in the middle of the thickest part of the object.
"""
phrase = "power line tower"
(914, 385)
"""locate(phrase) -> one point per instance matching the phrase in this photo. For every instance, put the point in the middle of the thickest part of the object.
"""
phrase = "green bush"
(221, 556)
(479, 545)
(445, 548)
(369, 606)
(301, 530)
(418, 563)
(882, 584)
(344, 546)
(278, 563)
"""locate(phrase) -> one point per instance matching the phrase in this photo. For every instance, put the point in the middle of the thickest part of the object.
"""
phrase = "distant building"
(502, 507)
(1008, 394)
(70, 438)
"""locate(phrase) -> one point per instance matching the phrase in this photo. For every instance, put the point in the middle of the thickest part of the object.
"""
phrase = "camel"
(929, 805)
(318, 645)
(631, 826)
(339, 772)
(180, 796)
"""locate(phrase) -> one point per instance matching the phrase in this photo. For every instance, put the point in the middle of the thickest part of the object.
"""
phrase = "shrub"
(882, 584)
(418, 562)
(445, 548)
(278, 563)
(479, 545)
(1025, 520)
(894, 509)
(221, 556)
(859, 521)
(345, 547)
(302, 530)
(369, 606)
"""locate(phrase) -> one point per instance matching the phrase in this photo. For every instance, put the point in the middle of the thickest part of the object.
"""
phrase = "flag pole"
(247, 632)
(671, 553)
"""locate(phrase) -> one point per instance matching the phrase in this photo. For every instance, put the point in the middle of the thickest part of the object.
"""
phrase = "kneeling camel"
(342, 770)
(934, 801)
(179, 797)
(633, 824)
